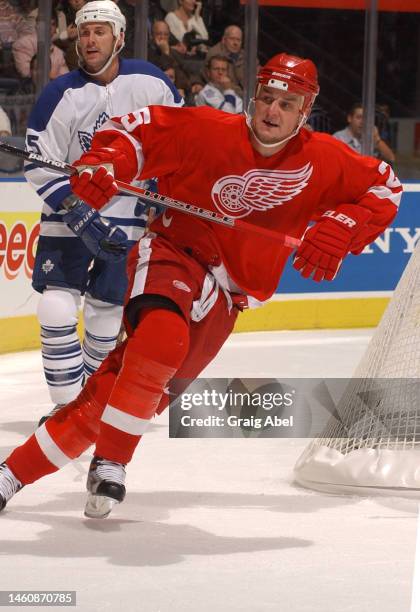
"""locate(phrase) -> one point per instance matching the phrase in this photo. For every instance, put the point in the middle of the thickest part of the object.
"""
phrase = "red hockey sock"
(154, 353)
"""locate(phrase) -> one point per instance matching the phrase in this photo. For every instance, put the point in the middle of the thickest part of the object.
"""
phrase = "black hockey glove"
(104, 240)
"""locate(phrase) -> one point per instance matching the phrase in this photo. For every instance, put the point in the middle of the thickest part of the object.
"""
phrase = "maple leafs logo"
(85, 138)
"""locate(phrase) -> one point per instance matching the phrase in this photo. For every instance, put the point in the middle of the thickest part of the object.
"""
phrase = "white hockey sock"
(102, 326)
(61, 351)
(62, 361)
(95, 349)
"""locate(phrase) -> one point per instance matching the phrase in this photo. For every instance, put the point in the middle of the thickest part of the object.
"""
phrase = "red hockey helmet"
(291, 73)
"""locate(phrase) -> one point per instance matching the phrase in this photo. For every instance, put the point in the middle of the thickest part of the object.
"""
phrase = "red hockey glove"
(326, 243)
(95, 182)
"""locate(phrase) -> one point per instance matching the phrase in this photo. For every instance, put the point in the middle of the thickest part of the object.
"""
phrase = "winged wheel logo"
(258, 190)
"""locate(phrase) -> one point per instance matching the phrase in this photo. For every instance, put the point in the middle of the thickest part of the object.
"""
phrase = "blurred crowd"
(199, 46)
(183, 39)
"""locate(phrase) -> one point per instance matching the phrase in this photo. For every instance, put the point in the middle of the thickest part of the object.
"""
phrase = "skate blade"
(99, 506)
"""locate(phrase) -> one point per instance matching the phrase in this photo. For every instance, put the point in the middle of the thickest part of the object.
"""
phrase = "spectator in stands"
(12, 23)
(382, 120)
(27, 6)
(67, 31)
(25, 47)
(66, 14)
(127, 8)
(161, 39)
(193, 86)
(352, 135)
(156, 12)
(186, 18)
(170, 73)
(5, 127)
(31, 86)
(166, 64)
(168, 5)
(219, 92)
(196, 84)
(231, 48)
(160, 52)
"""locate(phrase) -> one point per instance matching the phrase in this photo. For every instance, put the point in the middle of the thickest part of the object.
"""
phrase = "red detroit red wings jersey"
(205, 157)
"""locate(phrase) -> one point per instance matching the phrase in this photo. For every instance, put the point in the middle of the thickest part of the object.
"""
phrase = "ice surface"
(208, 525)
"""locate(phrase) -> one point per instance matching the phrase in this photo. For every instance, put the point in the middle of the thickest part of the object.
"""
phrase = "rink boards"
(357, 298)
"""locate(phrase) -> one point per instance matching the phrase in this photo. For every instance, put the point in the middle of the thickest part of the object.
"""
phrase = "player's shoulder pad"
(142, 67)
(191, 115)
(213, 120)
(51, 95)
(137, 66)
(219, 117)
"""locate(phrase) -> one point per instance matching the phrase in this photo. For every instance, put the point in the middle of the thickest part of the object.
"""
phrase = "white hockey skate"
(105, 485)
(9, 485)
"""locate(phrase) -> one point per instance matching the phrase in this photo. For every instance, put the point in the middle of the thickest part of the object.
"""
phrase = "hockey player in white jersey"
(62, 123)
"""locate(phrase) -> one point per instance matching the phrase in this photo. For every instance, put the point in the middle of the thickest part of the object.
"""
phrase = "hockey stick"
(150, 196)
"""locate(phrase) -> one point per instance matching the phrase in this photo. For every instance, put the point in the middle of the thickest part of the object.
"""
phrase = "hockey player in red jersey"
(189, 277)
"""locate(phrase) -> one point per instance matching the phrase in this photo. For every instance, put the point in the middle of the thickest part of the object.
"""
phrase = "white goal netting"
(374, 445)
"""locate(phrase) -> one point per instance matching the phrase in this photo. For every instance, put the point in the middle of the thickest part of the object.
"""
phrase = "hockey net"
(373, 445)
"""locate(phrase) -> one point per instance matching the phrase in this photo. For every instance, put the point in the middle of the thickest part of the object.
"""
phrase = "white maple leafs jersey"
(61, 126)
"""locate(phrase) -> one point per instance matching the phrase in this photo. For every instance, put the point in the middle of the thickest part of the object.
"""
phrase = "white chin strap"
(107, 63)
(249, 113)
